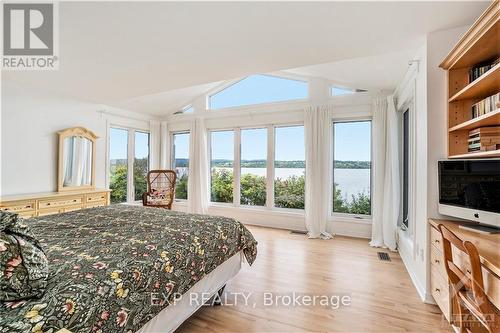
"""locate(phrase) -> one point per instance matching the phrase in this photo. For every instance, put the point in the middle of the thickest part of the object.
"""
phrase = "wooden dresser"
(40, 204)
(489, 251)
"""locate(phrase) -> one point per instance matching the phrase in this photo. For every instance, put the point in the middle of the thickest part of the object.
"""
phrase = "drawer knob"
(436, 261)
(438, 290)
(437, 241)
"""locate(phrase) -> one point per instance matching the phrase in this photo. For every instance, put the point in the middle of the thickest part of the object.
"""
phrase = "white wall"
(426, 86)
(30, 119)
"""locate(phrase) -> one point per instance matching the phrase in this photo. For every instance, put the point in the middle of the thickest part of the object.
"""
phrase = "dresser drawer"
(440, 291)
(49, 211)
(60, 202)
(71, 208)
(96, 197)
(19, 206)
(94, 204)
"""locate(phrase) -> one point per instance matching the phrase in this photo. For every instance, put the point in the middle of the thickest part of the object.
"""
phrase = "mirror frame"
(69, 132)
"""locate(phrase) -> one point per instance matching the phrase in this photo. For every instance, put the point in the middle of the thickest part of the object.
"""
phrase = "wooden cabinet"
(488, 247)
(42, 204)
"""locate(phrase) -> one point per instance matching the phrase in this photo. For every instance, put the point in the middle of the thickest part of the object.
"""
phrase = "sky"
(258, 89)
(352, 139)
(118, 144)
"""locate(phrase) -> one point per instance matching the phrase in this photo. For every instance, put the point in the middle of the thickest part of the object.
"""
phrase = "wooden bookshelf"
(479, 44)
(486, 85)
(490, 119)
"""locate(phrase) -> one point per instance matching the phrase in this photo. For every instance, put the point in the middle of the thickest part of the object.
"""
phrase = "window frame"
(270, 206)
(172, 159)
(334, 215)
(130, 157)
(257, 105)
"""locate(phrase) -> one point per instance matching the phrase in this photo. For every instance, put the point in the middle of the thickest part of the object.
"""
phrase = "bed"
(125, 268)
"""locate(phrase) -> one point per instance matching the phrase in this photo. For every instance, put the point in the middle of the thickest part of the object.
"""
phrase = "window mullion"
(270, 168)
(130, 165)
(237, 167)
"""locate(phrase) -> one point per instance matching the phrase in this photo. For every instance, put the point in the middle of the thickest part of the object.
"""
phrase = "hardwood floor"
(383, 298)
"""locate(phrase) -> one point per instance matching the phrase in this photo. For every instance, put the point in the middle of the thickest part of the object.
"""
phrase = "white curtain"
(386, 171)
(198, 168)
(317, 120)
(77, 162)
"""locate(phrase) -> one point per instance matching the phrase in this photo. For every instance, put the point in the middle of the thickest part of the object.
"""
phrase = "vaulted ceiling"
(150, 55)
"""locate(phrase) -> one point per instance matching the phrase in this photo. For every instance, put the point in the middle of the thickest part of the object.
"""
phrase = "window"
(339, 91)
(253, 167)
(141, 164)
(188, 109)
(118, 164)
(289, 167)
(258, 89)
(180, 163)
(406, 166)
(352, 167)
(125, 156)
(222, 166)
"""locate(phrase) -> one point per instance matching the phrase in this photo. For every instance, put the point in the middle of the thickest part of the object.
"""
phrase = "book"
(486, 105)
(480, 69)
(484, 139)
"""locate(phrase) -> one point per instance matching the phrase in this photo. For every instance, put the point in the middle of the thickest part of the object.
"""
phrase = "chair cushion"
(24, 268)
(156, 198)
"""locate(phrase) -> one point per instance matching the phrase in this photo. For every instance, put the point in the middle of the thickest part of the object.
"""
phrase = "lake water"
(350, 181)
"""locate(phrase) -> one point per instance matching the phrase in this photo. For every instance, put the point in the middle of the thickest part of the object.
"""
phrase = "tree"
(118, 184)
(222, 186)
(253, 190)
(289, 192)
(181, 187)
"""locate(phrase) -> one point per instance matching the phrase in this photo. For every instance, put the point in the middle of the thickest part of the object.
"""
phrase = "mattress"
(170, 318)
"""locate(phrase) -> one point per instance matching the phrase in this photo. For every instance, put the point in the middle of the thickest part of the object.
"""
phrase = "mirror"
(76, 159)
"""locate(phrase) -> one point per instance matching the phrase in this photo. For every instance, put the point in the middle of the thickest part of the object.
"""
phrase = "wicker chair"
(161, 189)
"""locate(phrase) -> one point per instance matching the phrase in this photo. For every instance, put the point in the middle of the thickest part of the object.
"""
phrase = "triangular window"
(259, 89)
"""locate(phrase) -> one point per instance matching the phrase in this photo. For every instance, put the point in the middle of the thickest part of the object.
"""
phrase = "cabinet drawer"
(94, 204)
(440, 291)
(436, 240)
(27, 215)
(71, 208)
(96, 197)
(49, 211)
(18, 206)
(60, 202)
(437, 262)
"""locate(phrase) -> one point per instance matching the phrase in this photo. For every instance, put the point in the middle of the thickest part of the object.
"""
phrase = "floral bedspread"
(106, 263)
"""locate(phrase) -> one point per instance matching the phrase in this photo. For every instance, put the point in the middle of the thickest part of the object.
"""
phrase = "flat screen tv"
(470, 189)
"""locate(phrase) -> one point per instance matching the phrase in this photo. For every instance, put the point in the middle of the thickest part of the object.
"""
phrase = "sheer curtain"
(198, 168)
(77, 165)
(386, 171)
(317, 121)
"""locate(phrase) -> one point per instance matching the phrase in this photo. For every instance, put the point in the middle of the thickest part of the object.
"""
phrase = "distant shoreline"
(182, 163)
